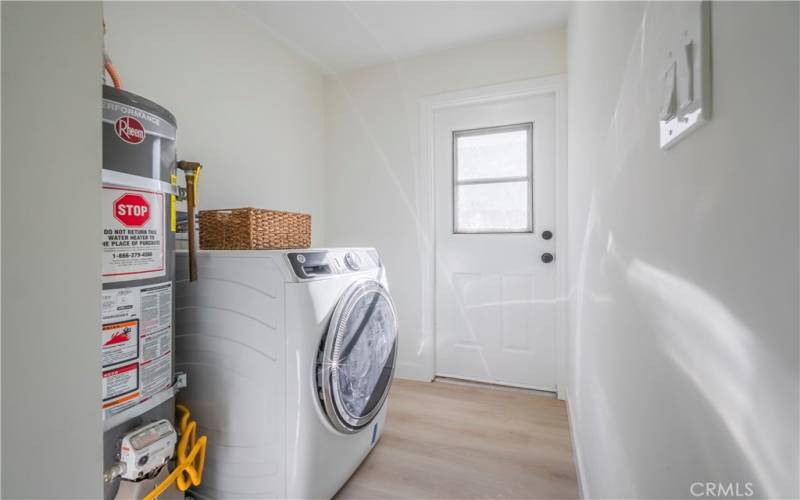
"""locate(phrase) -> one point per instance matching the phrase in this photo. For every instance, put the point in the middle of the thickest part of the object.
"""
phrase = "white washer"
(289, 356)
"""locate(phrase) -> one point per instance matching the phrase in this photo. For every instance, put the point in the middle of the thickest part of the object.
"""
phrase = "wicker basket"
(253, 229)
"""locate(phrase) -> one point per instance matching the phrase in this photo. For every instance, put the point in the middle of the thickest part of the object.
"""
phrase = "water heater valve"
(147, 449)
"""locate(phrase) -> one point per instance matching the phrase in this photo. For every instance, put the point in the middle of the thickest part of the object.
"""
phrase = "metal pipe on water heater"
(191, 170)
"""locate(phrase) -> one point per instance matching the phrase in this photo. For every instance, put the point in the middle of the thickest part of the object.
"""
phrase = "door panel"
(517, 313)
(495, 298)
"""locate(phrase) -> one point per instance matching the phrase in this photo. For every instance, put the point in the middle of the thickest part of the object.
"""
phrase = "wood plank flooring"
(454, 441)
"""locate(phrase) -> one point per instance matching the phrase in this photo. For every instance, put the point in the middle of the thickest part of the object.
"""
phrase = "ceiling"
(342, 36)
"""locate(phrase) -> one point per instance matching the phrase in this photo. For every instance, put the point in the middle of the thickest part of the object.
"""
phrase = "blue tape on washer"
(374, 433)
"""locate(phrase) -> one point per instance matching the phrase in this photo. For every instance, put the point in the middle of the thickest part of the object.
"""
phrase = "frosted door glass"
(363, 354)
(500, 206)
(492, 155)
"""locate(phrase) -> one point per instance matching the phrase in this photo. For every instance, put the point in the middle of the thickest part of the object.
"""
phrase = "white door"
(495, 204)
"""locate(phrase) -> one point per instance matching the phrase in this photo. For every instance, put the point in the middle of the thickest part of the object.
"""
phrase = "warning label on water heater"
(136, 342)
(133, 234)
(120, 342)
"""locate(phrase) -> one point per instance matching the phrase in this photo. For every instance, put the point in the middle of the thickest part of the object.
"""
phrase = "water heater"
(137, 340)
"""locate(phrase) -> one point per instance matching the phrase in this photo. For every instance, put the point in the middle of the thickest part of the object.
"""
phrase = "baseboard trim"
(576, 453)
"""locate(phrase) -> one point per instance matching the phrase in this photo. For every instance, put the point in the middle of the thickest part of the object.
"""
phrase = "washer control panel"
(325, 263)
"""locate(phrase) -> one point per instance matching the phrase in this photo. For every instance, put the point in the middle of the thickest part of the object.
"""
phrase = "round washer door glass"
(359, 355)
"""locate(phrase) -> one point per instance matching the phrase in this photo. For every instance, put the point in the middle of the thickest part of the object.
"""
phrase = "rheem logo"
(129, 129)
(132, 210)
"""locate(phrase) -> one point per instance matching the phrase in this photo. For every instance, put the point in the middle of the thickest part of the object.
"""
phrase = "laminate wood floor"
(452, 441)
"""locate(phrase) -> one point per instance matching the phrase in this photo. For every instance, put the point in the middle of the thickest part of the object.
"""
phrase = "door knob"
(547, 257)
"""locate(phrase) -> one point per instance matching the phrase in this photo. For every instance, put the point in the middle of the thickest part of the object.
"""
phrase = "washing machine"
(291, 356)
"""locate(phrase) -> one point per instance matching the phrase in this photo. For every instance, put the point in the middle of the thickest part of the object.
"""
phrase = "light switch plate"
(689, 55)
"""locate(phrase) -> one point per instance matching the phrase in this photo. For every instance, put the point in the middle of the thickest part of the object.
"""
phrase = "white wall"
(51, 157)
(248, 108)
(684, 262)
(377, 194)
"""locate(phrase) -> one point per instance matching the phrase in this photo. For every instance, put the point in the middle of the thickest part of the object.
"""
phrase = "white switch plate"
(689, 54)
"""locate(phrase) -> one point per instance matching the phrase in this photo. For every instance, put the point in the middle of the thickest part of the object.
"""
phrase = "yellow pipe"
(187, 473)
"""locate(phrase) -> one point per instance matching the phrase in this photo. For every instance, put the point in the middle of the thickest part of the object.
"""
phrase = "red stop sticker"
(132, 210)
(129, 129)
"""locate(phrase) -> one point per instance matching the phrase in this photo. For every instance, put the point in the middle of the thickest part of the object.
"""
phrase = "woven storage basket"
(253, 229)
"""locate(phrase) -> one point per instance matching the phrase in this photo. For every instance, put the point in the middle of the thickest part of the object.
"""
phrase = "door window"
(492, 180)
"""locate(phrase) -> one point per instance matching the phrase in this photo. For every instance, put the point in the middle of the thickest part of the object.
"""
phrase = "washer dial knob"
(352, 261)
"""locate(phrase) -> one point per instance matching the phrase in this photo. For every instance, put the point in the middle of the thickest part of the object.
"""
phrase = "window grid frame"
(528, 128)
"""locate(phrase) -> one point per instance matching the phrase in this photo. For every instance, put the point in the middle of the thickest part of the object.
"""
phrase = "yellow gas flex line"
(188, 472)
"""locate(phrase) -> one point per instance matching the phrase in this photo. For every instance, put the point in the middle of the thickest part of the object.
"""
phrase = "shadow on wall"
(684, 263)
(721, 361)
(721, 358)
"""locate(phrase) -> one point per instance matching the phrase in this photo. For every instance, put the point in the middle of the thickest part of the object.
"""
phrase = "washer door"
(358, 356)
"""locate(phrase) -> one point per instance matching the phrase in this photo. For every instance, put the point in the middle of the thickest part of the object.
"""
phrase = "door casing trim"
(428, 107)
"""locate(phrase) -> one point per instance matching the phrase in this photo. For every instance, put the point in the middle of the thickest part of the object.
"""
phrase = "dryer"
(291, 356)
